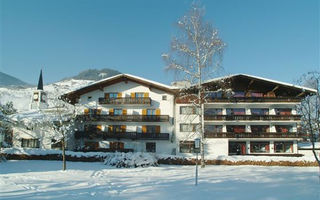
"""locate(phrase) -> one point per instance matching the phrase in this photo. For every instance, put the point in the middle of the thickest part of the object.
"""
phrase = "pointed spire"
(40, 83)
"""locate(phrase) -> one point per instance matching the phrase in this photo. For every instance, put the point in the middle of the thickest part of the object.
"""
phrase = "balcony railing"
(94, 134)
(126, 100)
(125, 118)
(252, 135)
(252, 117)
(255, 99)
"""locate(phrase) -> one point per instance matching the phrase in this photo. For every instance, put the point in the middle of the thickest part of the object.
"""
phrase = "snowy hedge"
(129, 160)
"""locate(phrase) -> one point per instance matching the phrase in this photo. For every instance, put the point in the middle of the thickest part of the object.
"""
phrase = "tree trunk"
(64, 164)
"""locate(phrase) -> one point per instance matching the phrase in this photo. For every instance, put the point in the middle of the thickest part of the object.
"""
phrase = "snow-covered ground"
(45, 180)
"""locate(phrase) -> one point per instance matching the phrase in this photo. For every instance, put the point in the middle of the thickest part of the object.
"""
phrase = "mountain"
(7, 80)
(94, 74)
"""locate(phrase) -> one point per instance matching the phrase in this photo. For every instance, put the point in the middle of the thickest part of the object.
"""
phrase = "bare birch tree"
(195, 56)
(310, 110)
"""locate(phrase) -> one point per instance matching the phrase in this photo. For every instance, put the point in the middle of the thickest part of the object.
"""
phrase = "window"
(283, 111)
(89, 97)
(55, 144)
(30, 143)
(151, 111)
(236, 128)
(237, 148)
(91, 145)
(259, 147)
(151, 147)
(153, 129)
(214, 95)
(188, 127)
(186, 146)
(283, 147)
(164, 97)
(116, 145)
(139, 95)
(213, 111)
(213, 128)
(239, 94)
(259, 111)
(117, 111)
(259, 128)
(283, 128)
(113, 95)
(256, 94)
(188, 110)
(236, 111)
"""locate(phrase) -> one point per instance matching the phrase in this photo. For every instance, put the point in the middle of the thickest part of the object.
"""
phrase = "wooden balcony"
(255, 99)
(252, 117)
(95, 134)
(252, 135)
(124, 118)
(126, 100)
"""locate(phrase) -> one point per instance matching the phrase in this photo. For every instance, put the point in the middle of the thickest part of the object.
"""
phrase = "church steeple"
(40, 82)
(39, 97)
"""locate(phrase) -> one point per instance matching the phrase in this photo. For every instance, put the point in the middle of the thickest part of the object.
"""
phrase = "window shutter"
(110, 128)
(158, 111)
(124, 111)
(99, 127)
(86, 111)
(132, 95)
(106, 95)
(146, 95)
(144, 111)
(111, 111)
(157, 129)
(123, 128)
(119, 95)
(144, 129)
(99, 111)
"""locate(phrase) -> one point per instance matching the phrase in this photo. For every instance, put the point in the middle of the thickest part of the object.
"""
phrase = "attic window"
(164, 97)
(89, 97)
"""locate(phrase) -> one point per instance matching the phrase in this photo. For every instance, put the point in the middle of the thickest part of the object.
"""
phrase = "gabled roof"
(306, 89)
(113, 80)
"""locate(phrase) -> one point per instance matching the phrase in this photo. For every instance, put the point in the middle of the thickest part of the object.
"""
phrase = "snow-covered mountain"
(94, 74)
(21, 97)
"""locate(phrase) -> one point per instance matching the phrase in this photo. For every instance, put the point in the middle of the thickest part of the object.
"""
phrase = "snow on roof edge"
(265, 79)
(129, 75)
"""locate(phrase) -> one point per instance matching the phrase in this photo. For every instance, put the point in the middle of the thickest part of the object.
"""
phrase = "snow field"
(45, 180)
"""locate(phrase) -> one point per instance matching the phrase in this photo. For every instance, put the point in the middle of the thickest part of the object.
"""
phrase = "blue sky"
(276, 39)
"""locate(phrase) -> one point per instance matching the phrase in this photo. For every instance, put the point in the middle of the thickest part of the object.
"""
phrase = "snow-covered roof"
(106, 81)
(263, 79)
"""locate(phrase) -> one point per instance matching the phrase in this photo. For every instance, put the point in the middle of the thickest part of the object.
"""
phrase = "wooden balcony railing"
(125, 118)
(255, 99)
(252, 117)
(252, 135)
(126, 100)
(95, 134)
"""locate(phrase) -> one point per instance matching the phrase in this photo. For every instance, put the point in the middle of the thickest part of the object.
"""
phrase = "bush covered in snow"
(129, 160)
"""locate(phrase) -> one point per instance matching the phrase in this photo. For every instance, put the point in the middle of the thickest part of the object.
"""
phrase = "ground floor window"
(91, 145)
(259, 147)
(186, 146)
(56, 144)
(283, 147)
(151, 147)
(30, 143)
(237, 148)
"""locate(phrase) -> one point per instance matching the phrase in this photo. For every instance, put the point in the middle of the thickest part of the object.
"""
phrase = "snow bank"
(129, 160)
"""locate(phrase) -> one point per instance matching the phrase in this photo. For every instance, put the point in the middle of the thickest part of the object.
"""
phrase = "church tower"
(39, 97)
